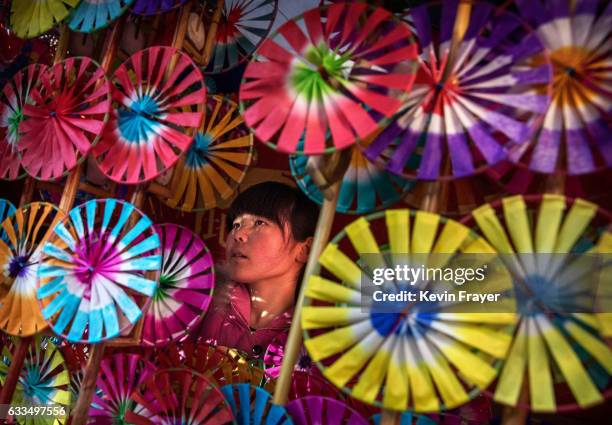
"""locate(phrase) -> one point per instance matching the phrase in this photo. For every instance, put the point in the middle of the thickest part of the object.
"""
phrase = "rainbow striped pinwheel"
(329, 78)
(421, 356)
(253, 406)
(92, 15)
(323, 410)
(408, 418)
(575, 136)
(43, 380)
(557, 345)
(154, 7)
(99, 271)
(217, 161)
(71, 105)
(186, 284)
(30, 18)
(150, 127)
(26, 232)
(179, 396)
(244, 24)
(15, 94)
(120, 375)
(492, 99)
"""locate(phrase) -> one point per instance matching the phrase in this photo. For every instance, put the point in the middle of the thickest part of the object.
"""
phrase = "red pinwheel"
(14, 96)
(329, 77)
(71, 105)
(156, 92)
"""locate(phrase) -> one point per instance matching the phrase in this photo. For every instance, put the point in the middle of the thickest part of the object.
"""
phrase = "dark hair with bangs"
(279, 203)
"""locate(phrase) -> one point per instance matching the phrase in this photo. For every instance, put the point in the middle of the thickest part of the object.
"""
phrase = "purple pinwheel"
(155, 7)
(323, 410)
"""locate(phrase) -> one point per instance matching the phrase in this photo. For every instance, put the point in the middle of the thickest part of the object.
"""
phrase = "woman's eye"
(235, 226)
(259, 222)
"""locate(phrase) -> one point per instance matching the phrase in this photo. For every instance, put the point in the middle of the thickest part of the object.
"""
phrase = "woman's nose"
(241, 234)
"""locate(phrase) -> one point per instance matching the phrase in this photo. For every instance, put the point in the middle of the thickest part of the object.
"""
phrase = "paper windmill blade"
(364, 187)
(156, 92)
(120, 375)
(98, 271)
(155, 7)
(492, 99)
(92, 15)
(15, 95)
(26, 232)
(216, 163)
(273, 359)
(179, 396)
(575, 135)
(425, 356)
(408, 418)
(43, 379)
(323, 410)
(186, 284)
(242, 27)
(329, 77)
(71, 105)
(30, 18)
(7, 209)
(253, 406)
(557, 345)
(306, 383)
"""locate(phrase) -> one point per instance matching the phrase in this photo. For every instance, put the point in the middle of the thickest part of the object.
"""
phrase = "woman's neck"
(269, 299)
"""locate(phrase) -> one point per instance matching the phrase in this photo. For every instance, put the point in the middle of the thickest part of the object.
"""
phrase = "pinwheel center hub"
(52, 114)
(14, 120)
(17, 266)
(196, 155)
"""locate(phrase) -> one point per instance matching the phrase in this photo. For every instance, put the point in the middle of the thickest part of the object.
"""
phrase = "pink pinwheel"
(149, 128)
(15, 95)
(185, 286)
(464, 116)
(575, 137)
(323, 410)
(329, 77)
(71, 105)
(273, 359)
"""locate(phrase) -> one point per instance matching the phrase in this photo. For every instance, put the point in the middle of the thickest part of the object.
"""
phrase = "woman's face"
(258, 249)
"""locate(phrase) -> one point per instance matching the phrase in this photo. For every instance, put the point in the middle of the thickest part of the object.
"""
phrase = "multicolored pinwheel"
(558, 344)
(186, 284)
(92, 15)
(253, 406)
(99, 271)
(120, 375)
(420, 355)
(156, 91)
(26, 232)
(323, 410)
(155, 7)
(179, 396)
(71, 105)
(43, 380)
(329, 78)
(217, 161)
(244, 24)
(7, 209)
(459, 120)
(30, 18)
(15, 95)
(575, 135)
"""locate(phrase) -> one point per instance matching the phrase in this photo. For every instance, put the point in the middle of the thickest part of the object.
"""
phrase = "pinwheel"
(92, 15)
(185, 288)
(421, 356)
(98, 271)
(26, 232)
(273, 358)
(120, 376)
(71, 105)
(329, 77)
(150, 128)
(15, 95)
(253, 406)
(155, 7)
(459, 120)
(43, 379)
(6, 210)
(30, 18)
(217, 161)
(323, 410)
(557, 344)
(306, 383)
(244, 24)
(575, 135)
(179, 396)
(407, 418)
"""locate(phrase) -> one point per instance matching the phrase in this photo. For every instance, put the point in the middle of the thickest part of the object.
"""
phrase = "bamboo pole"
(21, 349)
(212, 33)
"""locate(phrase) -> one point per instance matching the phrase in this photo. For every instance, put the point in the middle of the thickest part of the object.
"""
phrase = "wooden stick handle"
(6, 395)
(294, 340)
(212, 33)
(88, 386)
